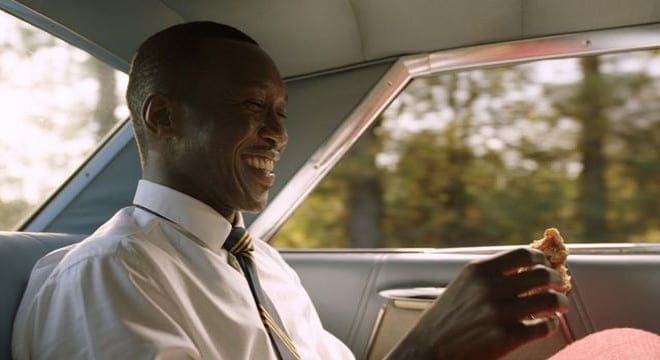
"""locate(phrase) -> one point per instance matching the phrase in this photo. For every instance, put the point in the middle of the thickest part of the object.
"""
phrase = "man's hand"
(480, 314)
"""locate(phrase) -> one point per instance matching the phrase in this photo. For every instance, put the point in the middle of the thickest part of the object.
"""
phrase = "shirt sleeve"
(105, 307)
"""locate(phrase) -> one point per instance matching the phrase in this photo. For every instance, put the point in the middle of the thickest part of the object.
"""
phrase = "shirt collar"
(189, 213)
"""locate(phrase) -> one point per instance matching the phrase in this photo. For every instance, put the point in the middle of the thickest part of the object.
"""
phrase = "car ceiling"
(311, 36)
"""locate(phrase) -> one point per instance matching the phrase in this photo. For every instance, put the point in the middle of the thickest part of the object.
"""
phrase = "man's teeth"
(260, 163)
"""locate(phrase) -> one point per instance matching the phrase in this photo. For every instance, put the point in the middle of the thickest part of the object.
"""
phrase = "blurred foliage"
(11, 212)
(495, 156)
(63, 103)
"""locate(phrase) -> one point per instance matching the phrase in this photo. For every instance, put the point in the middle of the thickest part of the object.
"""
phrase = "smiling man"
(213, 128)
(175, 275)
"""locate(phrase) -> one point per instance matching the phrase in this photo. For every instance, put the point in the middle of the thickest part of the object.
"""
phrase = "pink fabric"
(613, 344)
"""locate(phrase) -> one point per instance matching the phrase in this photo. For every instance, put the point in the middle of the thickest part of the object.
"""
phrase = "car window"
(494, 156)
(58, 103)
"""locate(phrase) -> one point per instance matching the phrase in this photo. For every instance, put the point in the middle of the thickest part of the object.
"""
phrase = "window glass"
(494, 156)
(57, 104)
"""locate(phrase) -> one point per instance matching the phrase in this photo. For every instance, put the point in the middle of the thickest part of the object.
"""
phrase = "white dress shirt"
(142, 287)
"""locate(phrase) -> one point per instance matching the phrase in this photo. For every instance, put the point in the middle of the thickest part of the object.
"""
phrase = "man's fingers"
(513, 260)
(539, 305)
(538, 277)
(525, 332)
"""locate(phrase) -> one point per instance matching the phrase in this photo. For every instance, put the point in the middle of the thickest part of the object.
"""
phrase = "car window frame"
(407, 68)
(106, 148)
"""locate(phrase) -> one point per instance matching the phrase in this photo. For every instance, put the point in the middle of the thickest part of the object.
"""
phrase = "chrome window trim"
(406, 68)
(575, 249)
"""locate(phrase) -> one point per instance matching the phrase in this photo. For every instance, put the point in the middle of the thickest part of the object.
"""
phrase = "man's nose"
(274, 132)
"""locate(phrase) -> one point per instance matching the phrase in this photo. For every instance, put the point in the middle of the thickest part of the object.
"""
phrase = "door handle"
(418, 298)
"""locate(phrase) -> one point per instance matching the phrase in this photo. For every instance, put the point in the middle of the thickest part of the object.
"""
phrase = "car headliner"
(310, 36)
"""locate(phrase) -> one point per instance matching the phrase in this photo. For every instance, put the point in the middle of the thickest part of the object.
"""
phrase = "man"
(156, 281)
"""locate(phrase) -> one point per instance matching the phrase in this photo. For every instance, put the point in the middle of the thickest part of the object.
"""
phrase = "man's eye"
(255, 105)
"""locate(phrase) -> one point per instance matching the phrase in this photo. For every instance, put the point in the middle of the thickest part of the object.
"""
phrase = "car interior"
(346, 65)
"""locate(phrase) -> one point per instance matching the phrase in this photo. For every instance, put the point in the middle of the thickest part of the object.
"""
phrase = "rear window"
(494, 156)
(58, 102)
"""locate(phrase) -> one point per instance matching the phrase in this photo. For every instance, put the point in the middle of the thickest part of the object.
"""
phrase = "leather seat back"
(19, 251)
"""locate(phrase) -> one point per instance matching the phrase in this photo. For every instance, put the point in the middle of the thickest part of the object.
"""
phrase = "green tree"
(363, 204)
(589, 106)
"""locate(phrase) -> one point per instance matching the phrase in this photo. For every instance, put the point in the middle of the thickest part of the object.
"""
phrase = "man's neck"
(226, 212)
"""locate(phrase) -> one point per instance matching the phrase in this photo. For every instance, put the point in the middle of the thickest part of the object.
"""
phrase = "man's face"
(233, 127)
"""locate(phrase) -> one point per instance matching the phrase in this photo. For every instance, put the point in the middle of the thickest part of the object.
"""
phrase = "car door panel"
(345, 286)
(608, 290)
(615, 291)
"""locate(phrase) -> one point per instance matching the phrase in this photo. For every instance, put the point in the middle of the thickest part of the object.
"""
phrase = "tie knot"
(239, 242)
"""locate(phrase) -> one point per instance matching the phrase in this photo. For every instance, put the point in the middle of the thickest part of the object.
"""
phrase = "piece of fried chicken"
(552, 246)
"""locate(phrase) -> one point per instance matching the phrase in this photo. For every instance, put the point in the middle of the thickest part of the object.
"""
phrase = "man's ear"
(158, 114)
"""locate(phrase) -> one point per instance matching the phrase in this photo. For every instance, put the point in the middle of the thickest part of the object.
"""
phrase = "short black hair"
(162, 62)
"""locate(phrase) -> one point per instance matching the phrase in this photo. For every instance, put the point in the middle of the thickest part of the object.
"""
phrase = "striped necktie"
(239, 243)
